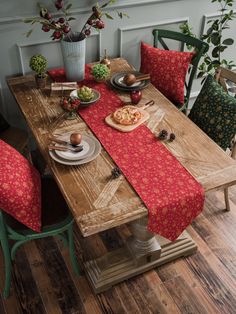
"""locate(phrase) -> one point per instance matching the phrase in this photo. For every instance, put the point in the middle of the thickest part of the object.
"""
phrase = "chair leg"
(8, 268)
(72, 251)
(226, 194)
(64, 239)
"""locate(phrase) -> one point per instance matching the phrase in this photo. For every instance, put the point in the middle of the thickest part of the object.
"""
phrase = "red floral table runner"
(173, 197)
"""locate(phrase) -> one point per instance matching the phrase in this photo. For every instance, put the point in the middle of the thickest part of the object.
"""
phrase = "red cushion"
(20, 187)
(168, 69)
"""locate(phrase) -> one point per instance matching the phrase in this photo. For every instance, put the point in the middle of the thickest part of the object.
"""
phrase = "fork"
(64, 149)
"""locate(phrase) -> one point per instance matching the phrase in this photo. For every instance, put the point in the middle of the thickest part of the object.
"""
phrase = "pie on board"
(127, 115)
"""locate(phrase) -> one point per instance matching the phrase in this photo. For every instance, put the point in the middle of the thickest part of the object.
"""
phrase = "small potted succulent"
(85, 93)
(38, 64)
(100, 72)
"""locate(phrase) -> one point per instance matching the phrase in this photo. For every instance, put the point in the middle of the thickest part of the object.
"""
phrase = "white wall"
(120, 37)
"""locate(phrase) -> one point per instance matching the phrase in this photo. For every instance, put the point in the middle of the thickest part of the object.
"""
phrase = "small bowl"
(95, 98)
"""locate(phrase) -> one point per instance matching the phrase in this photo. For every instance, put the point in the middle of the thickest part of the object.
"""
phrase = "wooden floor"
(203, 283)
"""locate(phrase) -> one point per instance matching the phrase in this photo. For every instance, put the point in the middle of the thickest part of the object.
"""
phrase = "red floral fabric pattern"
(20, 188)
(167, 69)
(173, 197)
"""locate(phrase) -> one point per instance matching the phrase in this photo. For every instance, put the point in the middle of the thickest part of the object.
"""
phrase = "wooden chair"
(223, 76)
(200, 49)
(56, 220)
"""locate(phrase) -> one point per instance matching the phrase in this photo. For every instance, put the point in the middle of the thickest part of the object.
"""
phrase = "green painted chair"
(56, 221)
(200, 48)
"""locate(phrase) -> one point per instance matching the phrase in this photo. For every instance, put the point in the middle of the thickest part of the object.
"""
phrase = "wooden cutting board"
(127, 128)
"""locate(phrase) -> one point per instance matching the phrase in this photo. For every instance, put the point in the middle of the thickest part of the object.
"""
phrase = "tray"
(127, 128)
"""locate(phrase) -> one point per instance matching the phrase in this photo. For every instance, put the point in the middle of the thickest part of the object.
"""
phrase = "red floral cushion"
(20, 188)
(168, 69)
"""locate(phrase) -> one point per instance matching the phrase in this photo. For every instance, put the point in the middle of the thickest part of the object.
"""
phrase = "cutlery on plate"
(129, 79)
(58, 141)
(64, 149)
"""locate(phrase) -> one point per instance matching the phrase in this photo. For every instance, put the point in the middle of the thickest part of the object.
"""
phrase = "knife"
(58, 141)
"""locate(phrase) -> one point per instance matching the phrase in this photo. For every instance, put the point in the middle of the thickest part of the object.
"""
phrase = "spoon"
(64, 149)
(129, 79)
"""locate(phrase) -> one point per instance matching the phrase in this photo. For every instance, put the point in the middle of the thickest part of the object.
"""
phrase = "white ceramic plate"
(62, 161)
(86, 103)
(122, 83)
(88, 149)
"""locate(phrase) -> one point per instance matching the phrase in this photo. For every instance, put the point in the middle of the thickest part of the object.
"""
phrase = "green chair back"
(12, 231)
(199, 47)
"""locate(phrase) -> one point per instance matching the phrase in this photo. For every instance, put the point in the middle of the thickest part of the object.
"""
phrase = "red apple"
(75, 138)
(135, 96)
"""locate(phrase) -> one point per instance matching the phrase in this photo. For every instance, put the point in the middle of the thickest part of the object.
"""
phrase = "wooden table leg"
(142, 252)
(143, 244)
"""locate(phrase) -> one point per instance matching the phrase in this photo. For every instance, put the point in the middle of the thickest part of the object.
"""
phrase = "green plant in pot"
(100, 72)
(214, 36)
(38, 64)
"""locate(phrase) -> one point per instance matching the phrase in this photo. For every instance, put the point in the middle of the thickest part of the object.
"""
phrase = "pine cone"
(115, 173)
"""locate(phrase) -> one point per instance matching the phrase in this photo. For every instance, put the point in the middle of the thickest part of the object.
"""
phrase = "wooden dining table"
(99, 202)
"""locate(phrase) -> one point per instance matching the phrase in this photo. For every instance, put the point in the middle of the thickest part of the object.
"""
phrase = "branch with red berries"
(70, 103)
(61, 28)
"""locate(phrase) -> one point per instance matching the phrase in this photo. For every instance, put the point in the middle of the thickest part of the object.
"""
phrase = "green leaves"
(108, 16)
(228, 42)
(29, 33)
(28, 20)
(107, 3)
(68, 6)
(214, 37)
(122, 14)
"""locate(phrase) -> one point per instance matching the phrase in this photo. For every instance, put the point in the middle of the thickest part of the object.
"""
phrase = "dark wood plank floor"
(205, 282)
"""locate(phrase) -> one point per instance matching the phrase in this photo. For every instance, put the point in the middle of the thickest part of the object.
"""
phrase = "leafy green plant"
(100, 71)
(38, 63)
(214, 37)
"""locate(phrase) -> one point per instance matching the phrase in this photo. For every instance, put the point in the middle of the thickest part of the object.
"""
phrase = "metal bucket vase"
(73, 53)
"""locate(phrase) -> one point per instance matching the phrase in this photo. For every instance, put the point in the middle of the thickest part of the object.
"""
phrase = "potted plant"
(72, 42)
(100, 72)
(214, 37)
(38, 64)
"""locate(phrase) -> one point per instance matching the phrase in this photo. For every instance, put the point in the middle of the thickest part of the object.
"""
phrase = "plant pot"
(41, 82)
(73, 53)
(100, 80)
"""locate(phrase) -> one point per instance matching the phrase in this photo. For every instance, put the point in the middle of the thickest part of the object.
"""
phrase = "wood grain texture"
(27, 292)
(96, 202)
(61, 283)
(203, 282)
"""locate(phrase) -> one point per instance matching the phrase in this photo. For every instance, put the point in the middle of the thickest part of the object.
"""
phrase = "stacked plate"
(117, 81)
(91, 149)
